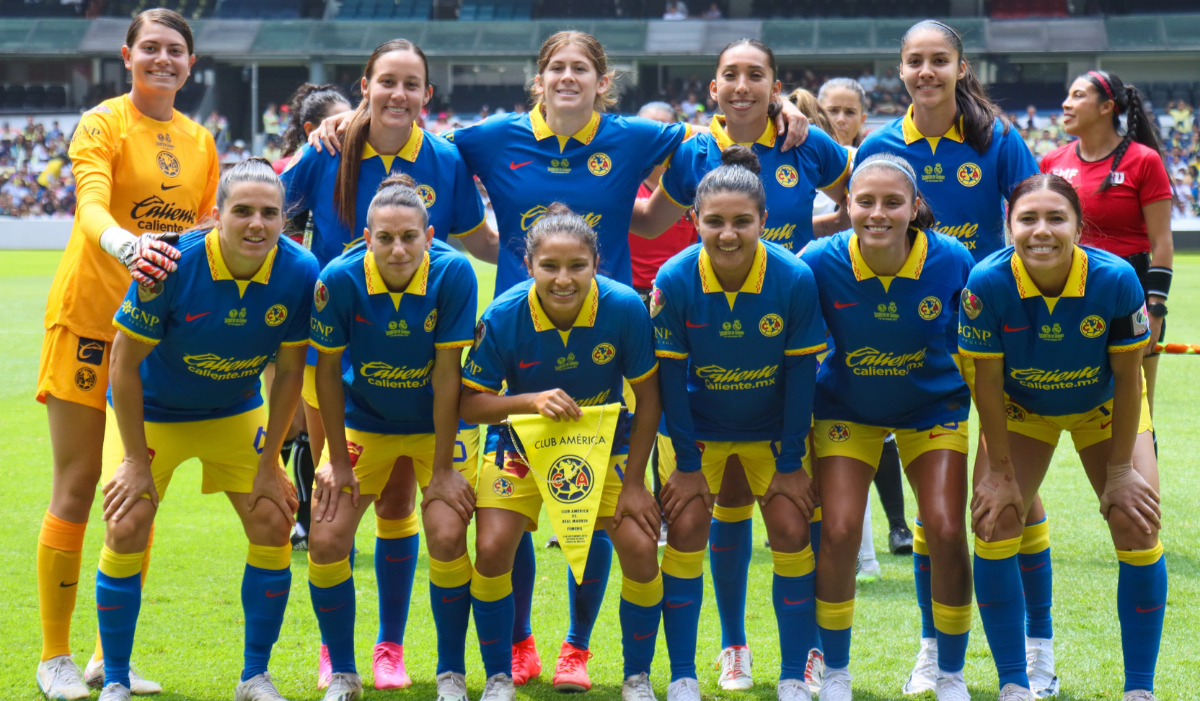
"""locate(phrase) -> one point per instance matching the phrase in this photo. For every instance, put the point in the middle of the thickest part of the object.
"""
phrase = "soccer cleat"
(344, 686)
(868, 571)
(637, 688)
(735, 668)
(570, 673)
(257, 688)
(925, 671)
(836, 685)
(553, 542)
(793, 690)
(684, 689)
(93, 675)
(1039, 665)
(900, 541)
(1014, 692)
(526, 664)
(324, 667)
(499, 687)
(388, 667)
(299, 537)
(452, 686)
(662, 534)
(814, 670)
(115, 692)
(951, 687)
(1139, 695)
(60, 680)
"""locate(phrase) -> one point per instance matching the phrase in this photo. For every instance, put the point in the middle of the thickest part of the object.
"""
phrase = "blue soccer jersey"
(791, 178)
(212, 334)
(454, 205)
(966, 189)
(894, 336)
(515, 342)
(740, 349)
(596, 172)
(395, 335)
(1055, 349)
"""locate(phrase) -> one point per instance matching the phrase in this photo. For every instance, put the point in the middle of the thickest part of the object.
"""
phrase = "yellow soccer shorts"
(309, 392)
(514, 488)
(229, 450)
(847, 439)
(1086, 429)
(757, 458)
(73, 369)
(373, 456)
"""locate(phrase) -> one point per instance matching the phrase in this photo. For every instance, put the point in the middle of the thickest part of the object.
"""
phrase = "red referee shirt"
(1112, 220)
(648, 255)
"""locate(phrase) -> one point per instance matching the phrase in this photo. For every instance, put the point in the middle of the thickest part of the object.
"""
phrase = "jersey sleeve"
(666, 309)
(457, 297)
(806, 326)
(299, 331)
(1129, 329)
(484, 370)
(143, 314)
(479, 143)
(298, 179)
(678, 181)
(469, 212)
(209, 199)
(1153, 183)
(1014, 162)
(979, 319)
(654, 142)
(637, 337)
(826, 161)
(962, 264)
(92, 150)
(332, 311)
(666, 313)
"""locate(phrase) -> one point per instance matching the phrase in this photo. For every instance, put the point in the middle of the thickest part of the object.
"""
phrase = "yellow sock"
(330, 575)
(59, 554)
(449, 575)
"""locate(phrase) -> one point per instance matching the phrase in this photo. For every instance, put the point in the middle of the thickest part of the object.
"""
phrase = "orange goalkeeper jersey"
(137, 173)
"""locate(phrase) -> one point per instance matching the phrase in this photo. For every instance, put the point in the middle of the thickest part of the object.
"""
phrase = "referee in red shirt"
(1123, 186)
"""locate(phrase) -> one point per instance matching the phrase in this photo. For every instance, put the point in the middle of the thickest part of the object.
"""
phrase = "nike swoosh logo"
(513, 165)
(450, 601)
(690, 325)
(488, 642)
(1105, 424)
(322, 609)
(273, 594)
(643, 636)
(524, 365)
(1030, 569)
(109, 608)
(939, 435)
(721, 550)
(389, 558)
(789, 602)
(843, 305)
(1009, 329)
(193, 317)
(1139, 609)
(358, 317)
(671, 605)
(983, 605)
(166, 187)
(923, 568)
(589, 581)
(64, 585)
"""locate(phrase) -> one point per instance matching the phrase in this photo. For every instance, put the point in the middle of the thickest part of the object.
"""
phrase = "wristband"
(115, 241)
(1158, 282)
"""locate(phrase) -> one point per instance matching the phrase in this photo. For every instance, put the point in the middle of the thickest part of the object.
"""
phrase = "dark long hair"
(308, 105)
(978, 112)
(1140, 125)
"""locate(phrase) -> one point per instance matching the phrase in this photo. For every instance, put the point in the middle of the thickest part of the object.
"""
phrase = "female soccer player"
(1124, 188)
(382, 137)
(968, 159)
(185, 385)
(406, 306)
(737, 329)
(889, 295)
(1056, 331)
(142, 171)
(308, 105)
(845, 102)
(586, 321)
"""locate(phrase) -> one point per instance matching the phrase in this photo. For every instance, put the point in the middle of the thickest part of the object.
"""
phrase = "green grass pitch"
(190, 633)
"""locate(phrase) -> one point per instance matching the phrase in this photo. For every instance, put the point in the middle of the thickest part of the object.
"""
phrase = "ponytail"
(1140, 126)
(308, 104)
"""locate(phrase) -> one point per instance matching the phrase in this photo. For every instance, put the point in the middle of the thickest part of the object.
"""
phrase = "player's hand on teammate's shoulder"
(328, 135)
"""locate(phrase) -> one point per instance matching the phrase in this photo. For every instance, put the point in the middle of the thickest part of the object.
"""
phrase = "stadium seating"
(386, 9)
(260, 9)
(191, 9)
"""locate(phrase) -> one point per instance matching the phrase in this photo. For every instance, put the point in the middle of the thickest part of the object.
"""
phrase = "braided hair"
(1140, 126)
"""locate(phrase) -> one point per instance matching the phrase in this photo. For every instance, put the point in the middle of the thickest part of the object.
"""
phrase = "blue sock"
(264, 600)
(1037, 578)
(836, 620)
(730, 544)
(794, 597)
(523, 573)
(585, 599)
(335, 608)
(1001, 606)
(118, 601)
(1141, 603)
(682, 599)
(395, 566)
(640, 611)
(450, 601)
(922, 577)
(814, 542)
(953, 632)
(492, 601)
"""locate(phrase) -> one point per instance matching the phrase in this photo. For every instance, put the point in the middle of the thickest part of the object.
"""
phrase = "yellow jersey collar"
(586, 316)
(754, 281)
(408, 151)
(376, 285)
(911, 133)
(717, 127)
(220, 271)
(541, 130)
(911, 269)
(1076, 279)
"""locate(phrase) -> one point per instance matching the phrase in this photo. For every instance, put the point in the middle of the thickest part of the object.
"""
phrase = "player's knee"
(1127, 534)
(944, 532)
(444, 536)
(73, 499)
(269, 526)
(131, 531)
(325, 544)
(1008, 525)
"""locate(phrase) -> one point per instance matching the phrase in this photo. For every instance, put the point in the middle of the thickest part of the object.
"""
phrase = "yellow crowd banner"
(569, 460)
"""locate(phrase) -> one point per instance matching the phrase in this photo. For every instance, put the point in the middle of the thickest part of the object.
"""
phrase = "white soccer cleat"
(685, 689)
(814, 670)
(257, 688)
(951, 687)
(868, 570)
(344, 686)
(637, 688)
(1139, 695)
(1039, 665)
(793, 690)
(115, 692)
(452, 686)
(499, 687)
(60, 680)
(1015, 692)
(138, 685)
(925, 671)
(836, 686)
(735, 668)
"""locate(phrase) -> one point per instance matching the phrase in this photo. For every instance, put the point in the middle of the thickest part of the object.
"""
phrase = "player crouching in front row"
(185, 384)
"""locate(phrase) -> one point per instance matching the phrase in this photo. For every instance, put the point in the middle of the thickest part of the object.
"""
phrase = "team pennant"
(569, 461)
